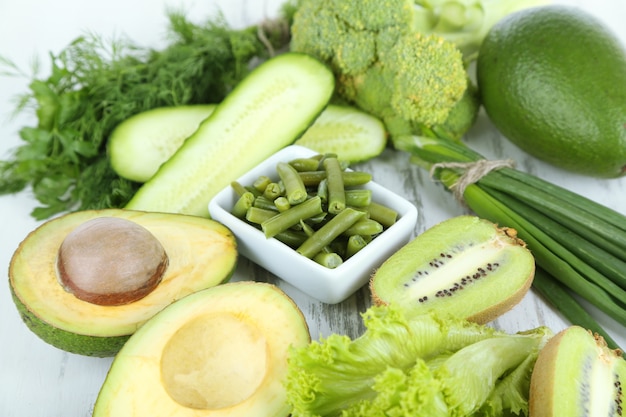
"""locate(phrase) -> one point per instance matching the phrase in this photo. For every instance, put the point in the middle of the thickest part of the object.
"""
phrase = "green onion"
(577, 243)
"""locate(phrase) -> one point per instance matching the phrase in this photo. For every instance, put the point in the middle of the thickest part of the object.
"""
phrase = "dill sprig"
(95, 83)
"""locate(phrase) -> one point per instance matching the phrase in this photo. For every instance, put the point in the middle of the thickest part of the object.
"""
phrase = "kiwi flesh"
(577, 374)
(465, 266)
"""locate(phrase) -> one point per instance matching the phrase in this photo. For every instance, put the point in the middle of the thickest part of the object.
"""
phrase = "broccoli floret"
(407, 79)
(404, 61)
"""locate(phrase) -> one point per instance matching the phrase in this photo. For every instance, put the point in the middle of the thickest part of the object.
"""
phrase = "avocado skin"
(552, 81)
(100, 347)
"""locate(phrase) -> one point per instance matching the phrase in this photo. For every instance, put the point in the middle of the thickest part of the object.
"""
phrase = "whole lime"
(552, 79)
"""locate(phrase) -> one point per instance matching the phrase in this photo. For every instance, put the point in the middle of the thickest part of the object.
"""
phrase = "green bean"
(282, 203)
(358, 197)
(329, 231)
(305, 164)
(322, 190)
(336, 189)
(366, 227)
(382, 214)
(239, 189)
(317, 219)
(350, 178)
(258, 215)
(272, 191)
(294, 187)
(286, 219)
(355, 244)
(329, 260)
(243, 203)
(264, 203)
(291, 238)
(261, 182)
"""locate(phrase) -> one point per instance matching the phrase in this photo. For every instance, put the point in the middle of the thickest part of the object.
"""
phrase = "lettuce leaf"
(412, 365)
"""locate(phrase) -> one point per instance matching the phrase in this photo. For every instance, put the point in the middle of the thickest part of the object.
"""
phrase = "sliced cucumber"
(352, 134)
(267, 111)
(140, 144)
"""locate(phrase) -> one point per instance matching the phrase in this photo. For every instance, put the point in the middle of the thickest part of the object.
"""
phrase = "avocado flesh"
(202, 253)
(219, 352)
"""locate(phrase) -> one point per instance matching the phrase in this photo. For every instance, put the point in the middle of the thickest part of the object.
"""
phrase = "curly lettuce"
(425, 365)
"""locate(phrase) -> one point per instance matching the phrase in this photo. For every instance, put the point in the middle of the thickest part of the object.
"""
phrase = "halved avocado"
(201, 253)
(219, 352)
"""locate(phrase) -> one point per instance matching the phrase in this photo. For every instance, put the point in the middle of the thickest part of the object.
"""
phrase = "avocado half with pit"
(219, 352)
(84, 282)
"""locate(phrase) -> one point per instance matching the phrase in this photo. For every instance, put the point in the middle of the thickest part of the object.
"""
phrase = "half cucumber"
(267, 111)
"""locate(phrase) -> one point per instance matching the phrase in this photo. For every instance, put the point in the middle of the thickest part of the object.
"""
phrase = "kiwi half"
(466, 267)
(576, 374)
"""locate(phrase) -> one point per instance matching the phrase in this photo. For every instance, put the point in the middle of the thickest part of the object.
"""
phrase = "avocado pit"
(110, 261)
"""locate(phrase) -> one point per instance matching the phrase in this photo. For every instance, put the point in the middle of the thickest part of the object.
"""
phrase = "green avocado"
(218, 352)
(201, 253)
(552, 79)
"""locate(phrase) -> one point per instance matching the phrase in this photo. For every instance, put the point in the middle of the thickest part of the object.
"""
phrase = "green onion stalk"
(579, 245)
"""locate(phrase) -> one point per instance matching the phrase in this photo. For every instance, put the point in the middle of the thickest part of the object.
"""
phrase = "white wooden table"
(38, 380)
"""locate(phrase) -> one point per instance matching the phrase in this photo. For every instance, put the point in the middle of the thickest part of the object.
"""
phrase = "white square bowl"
(329, 285)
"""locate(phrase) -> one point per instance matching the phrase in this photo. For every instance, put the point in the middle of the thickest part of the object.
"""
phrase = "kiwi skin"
(555, 380)
(506, 290)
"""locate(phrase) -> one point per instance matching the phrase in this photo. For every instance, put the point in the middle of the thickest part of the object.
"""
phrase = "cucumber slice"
(140, 144)
(350, 133)
(267, 111)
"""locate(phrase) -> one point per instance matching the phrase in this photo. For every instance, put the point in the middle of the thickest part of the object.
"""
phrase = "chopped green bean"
(294, 187)
(239, 189)
(329, 231)
(382, 214)
(336, 189)
(304, 207)
(305, 164)
(264, 203)
(243, 203)
(355, 244)
(291, 238)
(350, 178)
(253, 190)
(258, 215)
(261, 182)
(358, 197)
(282, 203)
(366, 227)
(329, 260)
(288, 218)
(272, 191)
(322, 190)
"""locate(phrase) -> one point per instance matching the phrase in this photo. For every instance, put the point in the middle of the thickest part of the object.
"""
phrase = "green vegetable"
(347, 131)
(140, 144)
(294, 187)
(578, 242)
(265, 112)
(335, 187)
(564, 301)
(382, 64)
(465, 22)
(288, 218)
(421, 365)
(311, 227)
(95, 84)
(326, 234)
